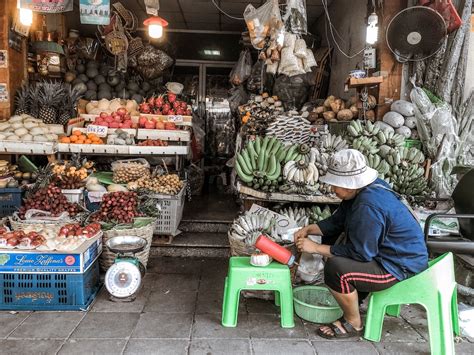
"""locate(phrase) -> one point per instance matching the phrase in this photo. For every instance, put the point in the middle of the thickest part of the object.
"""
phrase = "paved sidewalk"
(178, 312)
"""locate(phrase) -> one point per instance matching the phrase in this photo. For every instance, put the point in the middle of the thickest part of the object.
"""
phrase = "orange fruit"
(65, 140)
(77, 132)
(88, 141)
(73, 139)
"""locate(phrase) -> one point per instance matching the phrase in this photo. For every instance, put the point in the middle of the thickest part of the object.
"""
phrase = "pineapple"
(21, 100)
(51, 94)
(68, 111)
(33, 94)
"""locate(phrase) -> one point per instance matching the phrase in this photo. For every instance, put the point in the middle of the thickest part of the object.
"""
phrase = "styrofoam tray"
(168, 150)
(40, 148)
(93, 148)
(165, 135)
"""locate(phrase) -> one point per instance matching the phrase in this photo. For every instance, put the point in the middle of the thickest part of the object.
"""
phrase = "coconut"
(84, 78)
(91, 85)
(137, 98)
(104, 95)
(104, 87)
(90, 95)
(99, 79)
(80, 87)
(113, 80)
(133, 86)
(146, 86)
(92, 64)
(92, 72)
(80, 68)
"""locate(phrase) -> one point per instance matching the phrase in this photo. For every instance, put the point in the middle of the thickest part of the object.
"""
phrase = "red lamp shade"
(155, 20)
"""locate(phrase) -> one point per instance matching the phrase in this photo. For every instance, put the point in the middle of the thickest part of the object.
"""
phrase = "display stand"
(250, 196)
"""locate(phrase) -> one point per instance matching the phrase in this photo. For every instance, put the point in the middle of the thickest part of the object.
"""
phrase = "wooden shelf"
(281, 197)
(360, 82)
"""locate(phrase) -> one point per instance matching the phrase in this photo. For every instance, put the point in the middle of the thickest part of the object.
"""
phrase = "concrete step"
(203, 226)
(192, 244)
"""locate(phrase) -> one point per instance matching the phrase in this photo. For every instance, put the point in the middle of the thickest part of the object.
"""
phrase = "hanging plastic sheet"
(295, 17)
(260, 21)
(242, 69)
(92, 14)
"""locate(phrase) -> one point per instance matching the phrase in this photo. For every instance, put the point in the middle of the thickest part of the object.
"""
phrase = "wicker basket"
(18, 224)
(107, 257)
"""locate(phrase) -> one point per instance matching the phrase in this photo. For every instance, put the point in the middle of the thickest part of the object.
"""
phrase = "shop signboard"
(94, 12)
(47, 6)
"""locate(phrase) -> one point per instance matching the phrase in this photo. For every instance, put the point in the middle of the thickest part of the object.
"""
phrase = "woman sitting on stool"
(384, 242)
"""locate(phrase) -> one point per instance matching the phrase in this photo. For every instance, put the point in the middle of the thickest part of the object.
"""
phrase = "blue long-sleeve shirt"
(378, 227)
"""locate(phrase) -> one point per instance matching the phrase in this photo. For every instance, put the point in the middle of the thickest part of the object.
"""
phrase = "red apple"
(160, 125)
(122, 111)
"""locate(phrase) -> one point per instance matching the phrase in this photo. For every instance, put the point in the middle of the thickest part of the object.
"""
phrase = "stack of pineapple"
(51, 102)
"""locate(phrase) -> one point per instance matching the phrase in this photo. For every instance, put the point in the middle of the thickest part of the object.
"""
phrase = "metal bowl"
(126, 244)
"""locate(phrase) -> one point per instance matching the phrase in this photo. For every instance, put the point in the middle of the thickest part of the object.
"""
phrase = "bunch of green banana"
(390, 138)
(300, 189)
(357, 129)
(376, 162)
(301, 172)
(409, 181)
(294, 152)
(260, 159)
(297, 214)
(405, 156)
(317, 214)
(365, 145)
(331, 143)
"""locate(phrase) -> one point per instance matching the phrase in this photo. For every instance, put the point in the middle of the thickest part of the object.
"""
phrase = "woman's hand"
(306, 245)
(301, 234)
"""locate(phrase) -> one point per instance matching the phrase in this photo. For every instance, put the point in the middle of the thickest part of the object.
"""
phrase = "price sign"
(100, 131)
(175, 118)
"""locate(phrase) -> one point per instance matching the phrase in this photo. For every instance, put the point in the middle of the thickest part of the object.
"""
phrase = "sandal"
(350, 331)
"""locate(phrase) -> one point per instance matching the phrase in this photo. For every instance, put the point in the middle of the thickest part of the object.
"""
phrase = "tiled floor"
(178, 312)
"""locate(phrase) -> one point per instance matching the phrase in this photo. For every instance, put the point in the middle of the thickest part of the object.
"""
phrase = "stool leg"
(286, 307)
(277, 298)
(374, 319)
(394, 310)
(439, 325)
(454, 312)
(230, 306)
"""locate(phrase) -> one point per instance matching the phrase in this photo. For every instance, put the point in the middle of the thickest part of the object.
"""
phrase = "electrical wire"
(225, 13)
(331, 30)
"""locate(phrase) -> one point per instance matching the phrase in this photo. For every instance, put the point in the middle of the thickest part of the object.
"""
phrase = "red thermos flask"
(276, 251)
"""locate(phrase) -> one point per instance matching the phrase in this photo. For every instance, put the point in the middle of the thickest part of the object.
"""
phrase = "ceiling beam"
(182, 13)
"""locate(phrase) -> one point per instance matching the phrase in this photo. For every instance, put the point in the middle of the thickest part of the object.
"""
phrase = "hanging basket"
(116, 43)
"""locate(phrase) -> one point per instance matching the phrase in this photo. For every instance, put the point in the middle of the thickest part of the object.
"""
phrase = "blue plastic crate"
(49, 292)
(10, 201)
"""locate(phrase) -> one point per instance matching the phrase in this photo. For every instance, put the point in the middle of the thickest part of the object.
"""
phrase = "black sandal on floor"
(338, 334)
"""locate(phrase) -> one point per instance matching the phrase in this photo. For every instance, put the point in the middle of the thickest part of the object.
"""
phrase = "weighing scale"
(123, 279)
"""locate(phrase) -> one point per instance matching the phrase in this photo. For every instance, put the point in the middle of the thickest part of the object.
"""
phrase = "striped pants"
(345, 275)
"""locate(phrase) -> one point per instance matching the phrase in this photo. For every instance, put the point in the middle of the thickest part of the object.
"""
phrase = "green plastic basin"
(316, 304)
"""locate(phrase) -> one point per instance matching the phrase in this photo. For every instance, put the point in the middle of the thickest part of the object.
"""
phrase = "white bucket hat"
(348, 168)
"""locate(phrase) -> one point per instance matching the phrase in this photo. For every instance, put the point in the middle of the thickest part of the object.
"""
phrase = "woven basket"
(107, 257)
(18, 224)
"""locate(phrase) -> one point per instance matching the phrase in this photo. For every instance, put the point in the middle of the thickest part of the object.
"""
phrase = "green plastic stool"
(435, 290)
(243, 276)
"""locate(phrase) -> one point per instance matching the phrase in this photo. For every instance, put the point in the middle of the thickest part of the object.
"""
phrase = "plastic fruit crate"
(10, 201)
(74, 196)
(171, 212)
(49, 292)
(316, 304)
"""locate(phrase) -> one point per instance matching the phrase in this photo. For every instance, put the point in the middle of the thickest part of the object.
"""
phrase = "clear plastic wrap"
(311, 266)
(300, 48)
(309, 62)
(295, 17)
(151, 62)
(260, 21)
(221, 132)
(242, 69)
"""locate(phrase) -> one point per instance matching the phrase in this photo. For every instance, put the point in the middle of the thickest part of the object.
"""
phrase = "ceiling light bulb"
(155, 31)
(372, 29)
(26, 17)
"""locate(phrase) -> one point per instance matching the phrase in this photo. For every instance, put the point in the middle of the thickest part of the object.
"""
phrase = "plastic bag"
(260, 21)
(311, 266)
(255, 81)
(128, 170)
(151, 63)
(292, 91)
(272, 67)
(289, 41)
(309, 61)
(300, 48)
(295, 17)
(288, 61)
(243, 69)
(466, 320)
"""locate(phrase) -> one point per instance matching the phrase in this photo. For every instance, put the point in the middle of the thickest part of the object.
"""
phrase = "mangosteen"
(92, 72)
(104, 95)
(91, 85)
(104, 70)
(92, 64)
(141, 92)
(90, 95)
(133, 86)
(138, 98)
(83, 78)
(146, 86)
(99, 79)
(104, 87)
(81, 68)
(120, 86)
(131, 92)
(113, 80)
